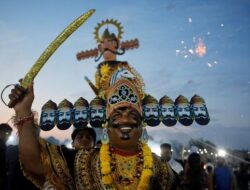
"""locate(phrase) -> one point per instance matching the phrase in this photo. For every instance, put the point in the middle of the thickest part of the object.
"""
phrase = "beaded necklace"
(141, 167)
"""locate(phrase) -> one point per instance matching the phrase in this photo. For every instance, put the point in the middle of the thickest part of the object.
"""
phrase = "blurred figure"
(194, 176)
(166, 156)
(5, 132)
(98, 144)
(210, 175)
(224, 178)
(15, 178)
(84, 137)
(243, 177)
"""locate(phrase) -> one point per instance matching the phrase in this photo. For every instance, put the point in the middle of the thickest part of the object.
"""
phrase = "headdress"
(97, 119)
(168, 117)
(106, 33)
(123, 93)
(151, 118)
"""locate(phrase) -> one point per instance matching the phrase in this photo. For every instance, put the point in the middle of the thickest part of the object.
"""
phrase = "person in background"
(98, 144)
(166, 156)
(194, 176)
(15, 178)
(243, 177)
(5, 132)
(210, 177)
(84, 137)
(224, 178)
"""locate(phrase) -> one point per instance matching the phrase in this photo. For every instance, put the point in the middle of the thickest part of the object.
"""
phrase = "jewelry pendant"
(105, 137)
(144, 136)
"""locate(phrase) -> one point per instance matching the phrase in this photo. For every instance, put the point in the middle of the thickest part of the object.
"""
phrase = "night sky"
(186, 47)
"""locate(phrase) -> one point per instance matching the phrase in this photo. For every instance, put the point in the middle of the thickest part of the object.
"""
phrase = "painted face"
(80, 116)
(105, 46)
(200, 113)
(48, 119)
(97, 116)
(64, 118)
(167, 112)
(151, 114)
(183, 112)
(124, 128)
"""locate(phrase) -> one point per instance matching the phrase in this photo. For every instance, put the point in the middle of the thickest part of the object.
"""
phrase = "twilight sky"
(170, 33)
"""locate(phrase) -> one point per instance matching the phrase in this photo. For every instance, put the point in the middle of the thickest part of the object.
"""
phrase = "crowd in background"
(190, 174)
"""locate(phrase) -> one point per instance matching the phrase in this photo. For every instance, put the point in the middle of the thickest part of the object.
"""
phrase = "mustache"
(185, 117)
(80, 119)
(107, 49)
(169, 118)
(201, 116)
(64, 121)
(96, 118)
(152, 117)
(47, 122)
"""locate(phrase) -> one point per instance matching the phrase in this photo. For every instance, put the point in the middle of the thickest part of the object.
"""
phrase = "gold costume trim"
(87, 175)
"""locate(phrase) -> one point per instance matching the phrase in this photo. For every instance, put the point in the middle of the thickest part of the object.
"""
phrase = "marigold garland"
(147, 170)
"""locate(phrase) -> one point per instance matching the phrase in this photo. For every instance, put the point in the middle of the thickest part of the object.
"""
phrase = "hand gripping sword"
(29, 77)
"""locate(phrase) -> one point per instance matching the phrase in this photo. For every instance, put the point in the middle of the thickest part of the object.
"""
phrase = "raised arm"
(28, 132)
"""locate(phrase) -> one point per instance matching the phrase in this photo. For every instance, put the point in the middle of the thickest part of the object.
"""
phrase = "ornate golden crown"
(106, 22)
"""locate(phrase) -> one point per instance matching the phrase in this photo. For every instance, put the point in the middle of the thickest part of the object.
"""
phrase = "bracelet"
(19, 122)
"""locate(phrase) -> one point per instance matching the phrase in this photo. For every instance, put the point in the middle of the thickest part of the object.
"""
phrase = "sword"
(54, 45)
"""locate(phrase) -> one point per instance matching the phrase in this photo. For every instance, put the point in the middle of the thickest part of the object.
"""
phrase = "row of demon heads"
(165, 110)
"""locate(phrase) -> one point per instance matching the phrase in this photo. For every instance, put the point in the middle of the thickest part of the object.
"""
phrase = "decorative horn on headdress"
(29, 77)
(127, 45)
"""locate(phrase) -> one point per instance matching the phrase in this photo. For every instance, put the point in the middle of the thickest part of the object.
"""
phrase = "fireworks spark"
(200, 48)
(189, 19)
(209, 65)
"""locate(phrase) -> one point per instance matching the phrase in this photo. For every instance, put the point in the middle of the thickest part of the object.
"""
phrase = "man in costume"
(123, 162)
